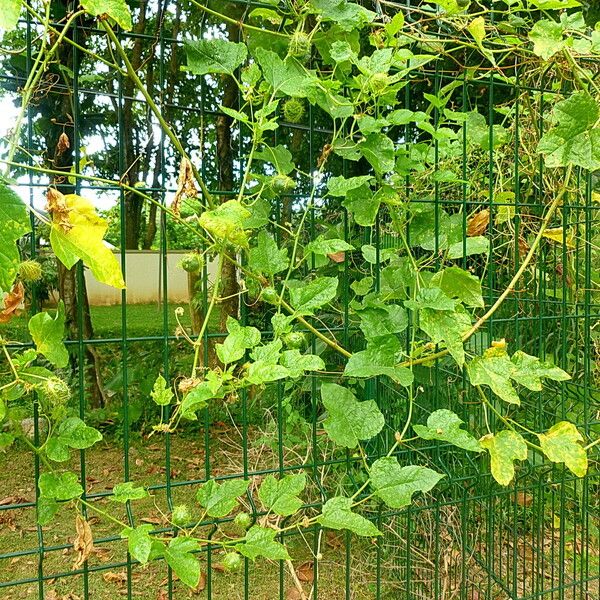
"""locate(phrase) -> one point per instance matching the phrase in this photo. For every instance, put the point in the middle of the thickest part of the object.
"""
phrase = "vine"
(350, 63)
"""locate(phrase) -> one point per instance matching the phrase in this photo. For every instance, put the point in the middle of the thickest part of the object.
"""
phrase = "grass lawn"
(142, 320)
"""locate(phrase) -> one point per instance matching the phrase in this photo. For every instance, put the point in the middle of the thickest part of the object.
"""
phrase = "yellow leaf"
(557, 235)
(77, 233)
(477, 29)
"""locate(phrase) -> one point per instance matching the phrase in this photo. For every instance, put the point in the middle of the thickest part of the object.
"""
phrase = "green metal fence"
(537, 538)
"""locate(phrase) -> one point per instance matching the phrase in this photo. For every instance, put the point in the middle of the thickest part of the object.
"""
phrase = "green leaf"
(9, 15)
(337, 514)
(380, 358)
(496, 370)
(220, 499)
(124, 492)
(214, 56)
(562, 444)
(447, 326)
(472, 245)
(554, 4)
(6, 439)
(226, 223)
(431, 298)
(340, 186)
(297, 363)
(48, 333)
(504, 448)
(460, 284)
(83, 239)
(363, 205)
(239, 340)
(139, 542)
(161, 394)
(493, 369)
(197, 399)
(117, 10)
(63, 486)
(74, 433)
(530, 370)
(348, 420)
(380, 320)
(395, 485)
(378, 149)
(324, 246)
(260, 541)
(179, 557)
(261, 372)
(279, 156)
(348, 15)
(288, 77)
(574, 140)
(281, 497)
(47, 508)
(56, 450)
(14, 224)
(266, 257)
(444, 425)
(547, 38)
(312, 295)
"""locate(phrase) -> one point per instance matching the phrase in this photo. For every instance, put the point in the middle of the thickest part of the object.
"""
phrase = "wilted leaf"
(478, 223)
(12, 302)
(83, 543)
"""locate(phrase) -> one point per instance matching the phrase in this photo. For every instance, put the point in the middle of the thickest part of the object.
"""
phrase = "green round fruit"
(181, 515)
(191, 263)
(293, 110)
(270, 295)
(282, 184)
(243, 520)
(379, 82)
(232, 561)
(30, 271)
(56, 391)
(295, 340)
(300, 45)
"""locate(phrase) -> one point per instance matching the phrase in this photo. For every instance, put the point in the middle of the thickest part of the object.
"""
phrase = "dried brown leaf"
(201, 584)
(293, 594)
(478, 223)
(337, 257)
(305, 572)
(186, 186)
(83, 543)
(57, 207)
(63, 144)
(524, 499)
(12, 500)
(115, 577)
(12, 302)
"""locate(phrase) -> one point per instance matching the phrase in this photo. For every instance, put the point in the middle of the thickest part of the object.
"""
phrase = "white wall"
(144, 280)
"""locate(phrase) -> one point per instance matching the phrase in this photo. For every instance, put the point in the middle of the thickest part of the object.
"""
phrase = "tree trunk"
(57, 109)
(229, 282)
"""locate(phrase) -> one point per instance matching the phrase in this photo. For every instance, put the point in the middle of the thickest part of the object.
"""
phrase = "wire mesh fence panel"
(389, 219)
